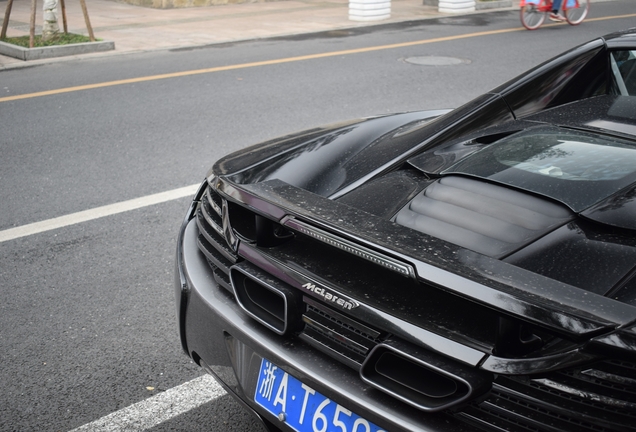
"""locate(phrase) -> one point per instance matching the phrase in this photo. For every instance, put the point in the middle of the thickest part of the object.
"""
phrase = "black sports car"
(461, 270)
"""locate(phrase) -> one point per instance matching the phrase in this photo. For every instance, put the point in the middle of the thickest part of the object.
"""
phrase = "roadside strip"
(254, 64)
(159, 408)
(108, 210)
(281, 61)
(95, 213)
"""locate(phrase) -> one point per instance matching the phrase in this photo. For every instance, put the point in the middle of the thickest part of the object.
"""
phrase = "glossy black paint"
(477, 325)
(333, 160)
(233, 354)
(475, 276)
(578, 74)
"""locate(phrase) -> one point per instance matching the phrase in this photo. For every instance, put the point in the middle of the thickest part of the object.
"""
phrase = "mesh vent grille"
(487, 218)
(338, 335)
(599, 398)
(211, 240)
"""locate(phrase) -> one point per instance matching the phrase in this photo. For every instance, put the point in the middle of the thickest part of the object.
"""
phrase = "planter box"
(21, 53)
(494, 4)
(173, 4)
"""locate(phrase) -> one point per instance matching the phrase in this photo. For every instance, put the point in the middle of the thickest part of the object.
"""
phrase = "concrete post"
(50, 27)
(369, 10)
(456, 6)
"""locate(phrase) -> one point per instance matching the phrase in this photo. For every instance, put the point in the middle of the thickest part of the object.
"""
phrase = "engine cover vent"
(483, 217)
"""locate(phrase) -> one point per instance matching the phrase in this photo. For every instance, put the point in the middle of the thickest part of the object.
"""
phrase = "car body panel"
(294, 253)
(486, 279)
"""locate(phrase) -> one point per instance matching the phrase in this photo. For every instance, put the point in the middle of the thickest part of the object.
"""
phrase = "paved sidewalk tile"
(138, 29)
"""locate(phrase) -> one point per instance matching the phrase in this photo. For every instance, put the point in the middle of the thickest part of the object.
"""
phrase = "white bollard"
(456, 6)
(369, 10)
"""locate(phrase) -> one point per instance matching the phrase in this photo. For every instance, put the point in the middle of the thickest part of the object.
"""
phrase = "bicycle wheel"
(531, 16)
(577, 14)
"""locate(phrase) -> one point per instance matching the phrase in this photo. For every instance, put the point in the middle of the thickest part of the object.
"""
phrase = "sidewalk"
(139, 29)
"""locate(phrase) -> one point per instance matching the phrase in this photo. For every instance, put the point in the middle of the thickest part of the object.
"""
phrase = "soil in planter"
(60, 39)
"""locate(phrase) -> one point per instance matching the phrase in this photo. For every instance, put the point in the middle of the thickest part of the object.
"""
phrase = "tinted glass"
(576, 168)
(623, 65)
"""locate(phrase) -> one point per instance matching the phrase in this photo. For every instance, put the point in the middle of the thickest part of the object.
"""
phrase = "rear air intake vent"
(337, 335)
(211, 239)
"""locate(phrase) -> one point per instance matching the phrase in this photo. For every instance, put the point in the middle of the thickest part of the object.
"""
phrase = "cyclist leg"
(555, 15)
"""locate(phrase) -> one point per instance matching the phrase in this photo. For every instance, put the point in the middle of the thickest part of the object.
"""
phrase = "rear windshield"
(623, 64)
(574, 167)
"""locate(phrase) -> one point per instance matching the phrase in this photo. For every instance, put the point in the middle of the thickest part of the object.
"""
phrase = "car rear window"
(623, 65)
(576, 168)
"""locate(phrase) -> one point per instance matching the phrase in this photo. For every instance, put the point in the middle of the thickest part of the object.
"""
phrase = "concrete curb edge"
(26, 54)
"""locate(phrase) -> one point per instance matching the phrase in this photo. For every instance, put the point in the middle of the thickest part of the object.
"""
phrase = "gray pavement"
(136, 29)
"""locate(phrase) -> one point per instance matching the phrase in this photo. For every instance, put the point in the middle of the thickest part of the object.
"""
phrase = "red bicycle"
(533, 12)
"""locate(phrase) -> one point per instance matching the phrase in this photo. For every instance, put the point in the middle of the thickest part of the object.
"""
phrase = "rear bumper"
(218, 335)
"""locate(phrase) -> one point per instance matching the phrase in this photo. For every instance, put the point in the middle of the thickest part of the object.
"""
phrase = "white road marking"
(159, 408)
(98, 212)
(166, 405)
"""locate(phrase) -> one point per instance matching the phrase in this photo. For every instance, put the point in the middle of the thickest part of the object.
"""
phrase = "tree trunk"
(50, 28)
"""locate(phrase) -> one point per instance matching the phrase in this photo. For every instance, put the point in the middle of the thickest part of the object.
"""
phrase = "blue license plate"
(303, 408)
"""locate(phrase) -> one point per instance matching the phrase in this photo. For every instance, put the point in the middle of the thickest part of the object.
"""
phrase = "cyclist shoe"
(557, 17)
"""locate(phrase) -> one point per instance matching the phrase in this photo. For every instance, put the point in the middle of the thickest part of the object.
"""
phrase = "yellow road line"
(273, 62)
(609, 18)
(249, 65)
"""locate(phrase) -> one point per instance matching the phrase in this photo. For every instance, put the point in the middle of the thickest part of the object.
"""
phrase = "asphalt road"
(87, 310)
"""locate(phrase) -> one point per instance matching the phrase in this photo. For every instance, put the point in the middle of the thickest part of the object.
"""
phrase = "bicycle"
(533, 12)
